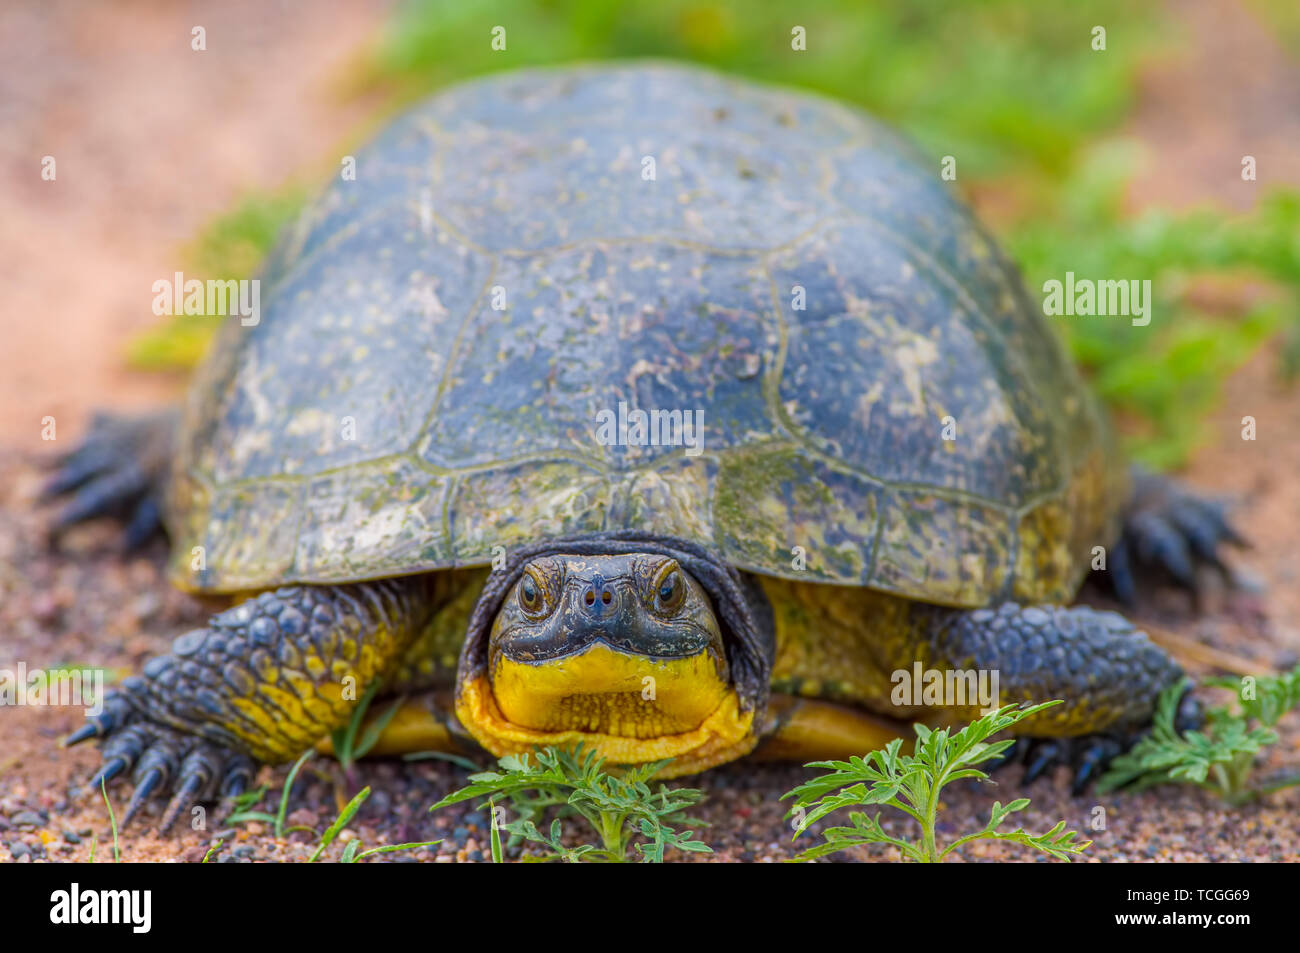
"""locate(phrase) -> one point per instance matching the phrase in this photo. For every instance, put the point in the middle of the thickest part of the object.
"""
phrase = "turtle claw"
(1169, 534)
(74, 469)
(1088, 756)
(84, 733)
(117, 714)
(104, 495)
(1121, 575)
(185, 795)
(203, 764)
(1092, 760)
(1190, 714)
(1045, 754)
(1157, 543)
(108, 771)
(238, 775)
(162, 759)
(140, 796)
(145, 523)
(117, 470)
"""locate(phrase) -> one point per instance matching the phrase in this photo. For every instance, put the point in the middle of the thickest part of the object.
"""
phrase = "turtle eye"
(670, 592)
(530, 594)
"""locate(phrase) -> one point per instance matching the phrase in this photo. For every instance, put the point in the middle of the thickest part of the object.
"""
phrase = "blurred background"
(1122, 162)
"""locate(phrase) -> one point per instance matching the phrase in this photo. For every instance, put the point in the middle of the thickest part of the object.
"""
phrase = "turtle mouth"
(607, 695)
(607, 691)
(619, 652)
(519, 711)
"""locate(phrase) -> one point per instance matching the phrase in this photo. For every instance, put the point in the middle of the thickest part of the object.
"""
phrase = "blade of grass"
(376, 728)
(112, 820)
(340, 822)
(458, 760)
(389, 848)
(288, 786)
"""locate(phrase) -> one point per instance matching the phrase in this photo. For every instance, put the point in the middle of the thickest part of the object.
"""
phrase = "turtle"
(643, 408)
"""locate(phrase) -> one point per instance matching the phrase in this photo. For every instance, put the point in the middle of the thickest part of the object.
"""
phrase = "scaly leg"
(264, 681)
(1107, 672)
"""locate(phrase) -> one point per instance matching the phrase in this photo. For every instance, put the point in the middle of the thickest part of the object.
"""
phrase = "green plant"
(911, 784)
(1221, 758)
(459, 761)
(243, 812)
(619, 808)
(1164, 378)
(353, 852)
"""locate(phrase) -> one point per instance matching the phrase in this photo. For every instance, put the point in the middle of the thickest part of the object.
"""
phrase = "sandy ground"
(1233, 92)
(111, 224)
(150, 140)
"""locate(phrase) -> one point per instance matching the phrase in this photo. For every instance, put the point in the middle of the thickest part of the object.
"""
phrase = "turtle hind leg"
(1169, 533)
(263, 681)
(120, 470)
(1108, 674)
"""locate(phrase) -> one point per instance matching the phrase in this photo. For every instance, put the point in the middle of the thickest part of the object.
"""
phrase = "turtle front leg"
(263, 681)
(1108, 673)
(119, 469)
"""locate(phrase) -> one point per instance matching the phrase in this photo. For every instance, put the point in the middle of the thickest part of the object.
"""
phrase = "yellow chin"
(629, 709)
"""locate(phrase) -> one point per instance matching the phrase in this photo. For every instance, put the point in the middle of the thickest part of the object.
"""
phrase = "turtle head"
(621, 653)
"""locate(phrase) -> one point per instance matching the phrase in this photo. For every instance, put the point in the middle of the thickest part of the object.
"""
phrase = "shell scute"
(443, 338)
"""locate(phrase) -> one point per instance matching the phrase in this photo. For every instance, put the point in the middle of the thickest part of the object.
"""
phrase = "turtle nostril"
(598, 597)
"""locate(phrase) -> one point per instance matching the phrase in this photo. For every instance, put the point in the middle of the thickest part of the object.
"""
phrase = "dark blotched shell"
(385, 418)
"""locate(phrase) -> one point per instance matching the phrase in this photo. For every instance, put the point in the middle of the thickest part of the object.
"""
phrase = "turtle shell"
(521, 258)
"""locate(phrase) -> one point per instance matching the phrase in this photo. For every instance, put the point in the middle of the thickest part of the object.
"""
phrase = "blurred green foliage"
(1163, 378)
(1282, 17)
(1012, 88)
(1004, 84)
(231, 246)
